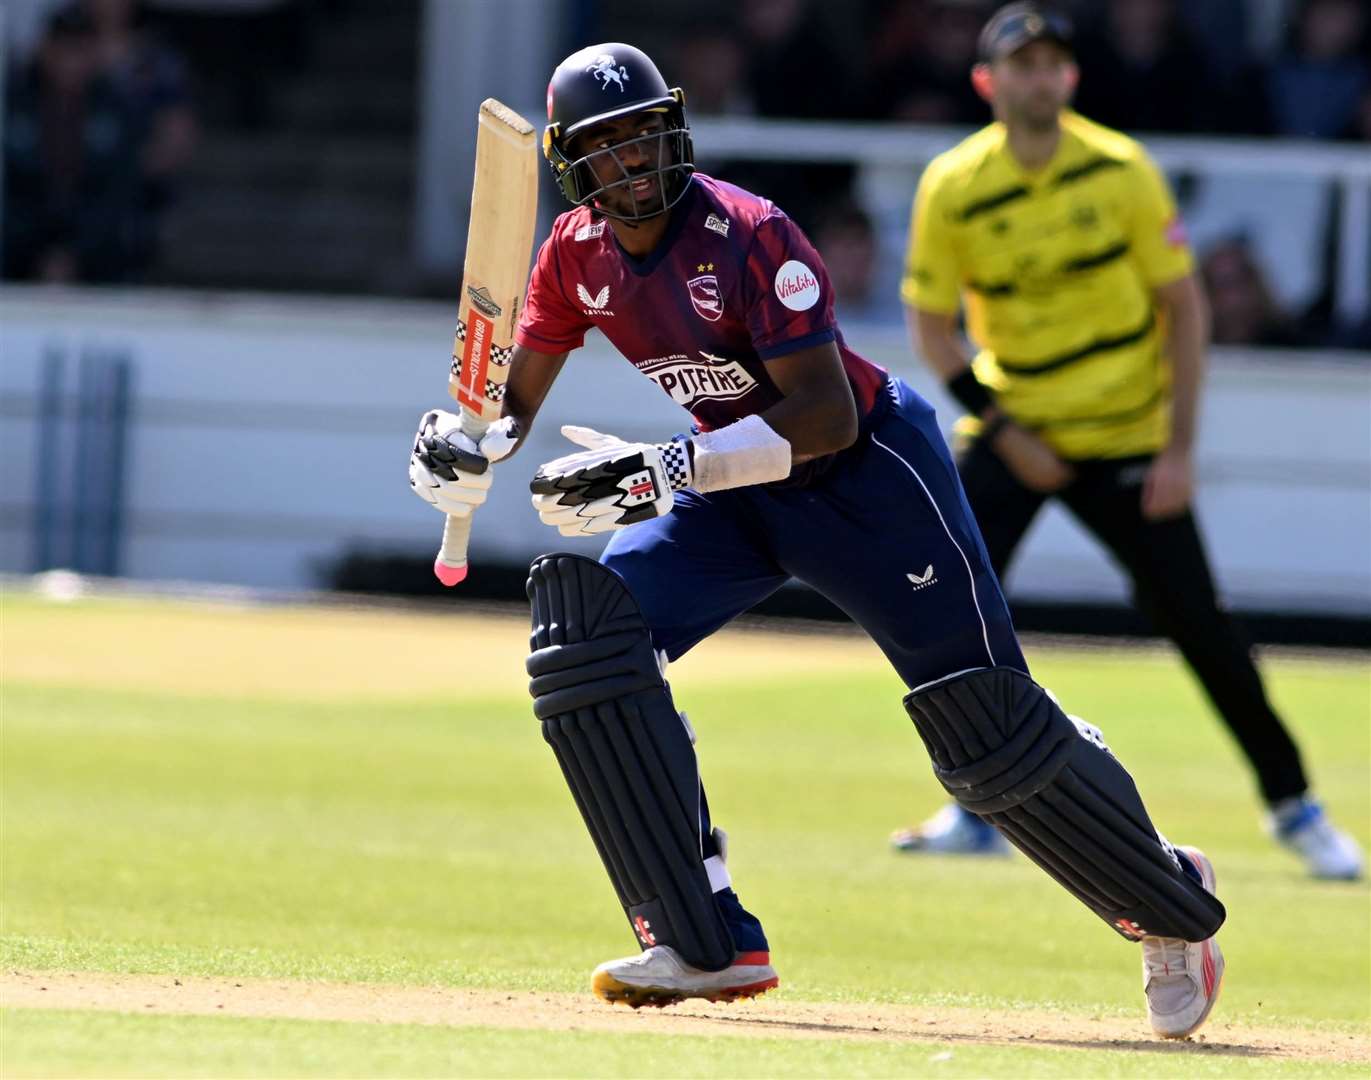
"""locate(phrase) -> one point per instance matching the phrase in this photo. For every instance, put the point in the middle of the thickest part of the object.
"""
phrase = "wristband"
(969, 392)
(991, 428)
(745, 452)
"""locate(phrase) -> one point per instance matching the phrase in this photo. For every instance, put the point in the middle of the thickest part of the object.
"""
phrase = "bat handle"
(450, 566)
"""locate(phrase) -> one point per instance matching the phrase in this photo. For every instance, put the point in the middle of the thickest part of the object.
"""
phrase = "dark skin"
(817, 415)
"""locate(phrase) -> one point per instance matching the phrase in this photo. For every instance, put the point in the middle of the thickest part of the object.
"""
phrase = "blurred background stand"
(81, 431)
(262, 204)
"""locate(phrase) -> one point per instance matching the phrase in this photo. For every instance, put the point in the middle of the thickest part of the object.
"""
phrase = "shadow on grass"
(839, 1029)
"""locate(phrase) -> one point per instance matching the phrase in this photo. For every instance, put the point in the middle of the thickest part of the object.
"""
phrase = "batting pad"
(1005, 751)
(625, 753)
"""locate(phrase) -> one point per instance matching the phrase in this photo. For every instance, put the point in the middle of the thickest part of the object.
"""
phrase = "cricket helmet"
(605, 82)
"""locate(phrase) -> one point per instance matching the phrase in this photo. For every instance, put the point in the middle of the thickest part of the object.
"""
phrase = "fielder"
(805, 462)
(1079, 287)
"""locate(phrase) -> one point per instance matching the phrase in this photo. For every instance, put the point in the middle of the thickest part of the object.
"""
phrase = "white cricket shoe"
(1300, 825)
(658, 976)
(951, 831)
(1181, 979)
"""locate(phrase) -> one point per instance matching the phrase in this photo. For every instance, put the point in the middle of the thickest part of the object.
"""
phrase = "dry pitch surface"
(768, 1017)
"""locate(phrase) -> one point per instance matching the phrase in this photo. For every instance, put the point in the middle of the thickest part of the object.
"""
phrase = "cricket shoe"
(1181, 979)
(658, 977)
(951, 831)
(1300, 825)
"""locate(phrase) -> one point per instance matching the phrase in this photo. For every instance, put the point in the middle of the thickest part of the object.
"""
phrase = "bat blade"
(504, 207)
(504, 204)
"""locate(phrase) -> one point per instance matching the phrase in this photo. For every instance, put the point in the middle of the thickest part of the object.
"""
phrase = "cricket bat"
(504, 205)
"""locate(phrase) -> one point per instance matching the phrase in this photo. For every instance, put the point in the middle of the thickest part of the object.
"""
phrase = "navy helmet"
(604, 82)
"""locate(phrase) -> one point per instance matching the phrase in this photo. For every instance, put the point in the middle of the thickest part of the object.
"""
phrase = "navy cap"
(1019, 24)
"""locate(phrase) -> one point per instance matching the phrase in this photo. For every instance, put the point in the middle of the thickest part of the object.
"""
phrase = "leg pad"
(1005, 751)
(625, 752)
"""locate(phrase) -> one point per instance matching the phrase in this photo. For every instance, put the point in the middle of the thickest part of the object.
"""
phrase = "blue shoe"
(743, 926)
(951, 831)
(1300, 825)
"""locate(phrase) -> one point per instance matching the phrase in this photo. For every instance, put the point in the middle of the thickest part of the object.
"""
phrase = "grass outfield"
(313, 798)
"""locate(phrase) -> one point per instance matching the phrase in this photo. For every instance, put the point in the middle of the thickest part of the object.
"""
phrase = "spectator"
(1243, 310)
(1359, 127)
(793, 69)
(151, 79)
(711, 64)
(1315, 89)
(1222, 31)
(928, 80)
(1140, 70)
(847, 242)
(98, 127)
(71, 164)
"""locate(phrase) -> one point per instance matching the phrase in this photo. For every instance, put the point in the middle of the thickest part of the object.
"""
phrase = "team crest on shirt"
(590, 232)
(690, 382)
(706, 298)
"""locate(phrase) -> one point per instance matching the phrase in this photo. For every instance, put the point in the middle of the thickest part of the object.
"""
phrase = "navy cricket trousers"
(885, 533)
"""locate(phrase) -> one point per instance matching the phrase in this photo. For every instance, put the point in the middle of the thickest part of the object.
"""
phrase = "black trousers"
(1172, 586)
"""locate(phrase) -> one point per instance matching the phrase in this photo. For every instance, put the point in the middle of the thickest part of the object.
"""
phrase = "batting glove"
(609, 485)
(448, 469)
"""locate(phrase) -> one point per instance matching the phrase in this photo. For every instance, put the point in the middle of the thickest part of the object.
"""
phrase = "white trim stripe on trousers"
(985, 632)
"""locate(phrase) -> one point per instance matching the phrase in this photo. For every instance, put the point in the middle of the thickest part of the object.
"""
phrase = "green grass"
(429, 839)
(44, 1042)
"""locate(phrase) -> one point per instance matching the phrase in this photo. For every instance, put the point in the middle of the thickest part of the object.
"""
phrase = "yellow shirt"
(1056, 269)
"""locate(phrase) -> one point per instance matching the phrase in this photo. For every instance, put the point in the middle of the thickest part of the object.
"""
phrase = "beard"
(623, 202)
(1038, 115)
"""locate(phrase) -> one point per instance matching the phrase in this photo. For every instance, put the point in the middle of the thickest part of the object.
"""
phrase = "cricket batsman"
(803, 461)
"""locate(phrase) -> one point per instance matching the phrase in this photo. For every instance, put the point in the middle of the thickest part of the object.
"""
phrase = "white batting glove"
(447, 469)
(609, 485)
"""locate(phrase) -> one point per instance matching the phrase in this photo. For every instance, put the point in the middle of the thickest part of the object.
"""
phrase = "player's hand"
(610, 484)
(1169, 485)
(1034, 464)
(450, 471)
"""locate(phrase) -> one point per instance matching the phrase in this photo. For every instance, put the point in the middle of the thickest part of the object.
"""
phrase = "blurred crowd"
(102, 116)
(1299, 68)
(1253, 68)
(98, 123)
(105, 107)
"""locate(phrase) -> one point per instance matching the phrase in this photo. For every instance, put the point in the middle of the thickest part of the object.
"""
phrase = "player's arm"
(1160, 251)
(613, 483)
(531, 375)
(1034, 463)
(818, 415)
(931, 290)
(1169, 485)
(451, 471)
